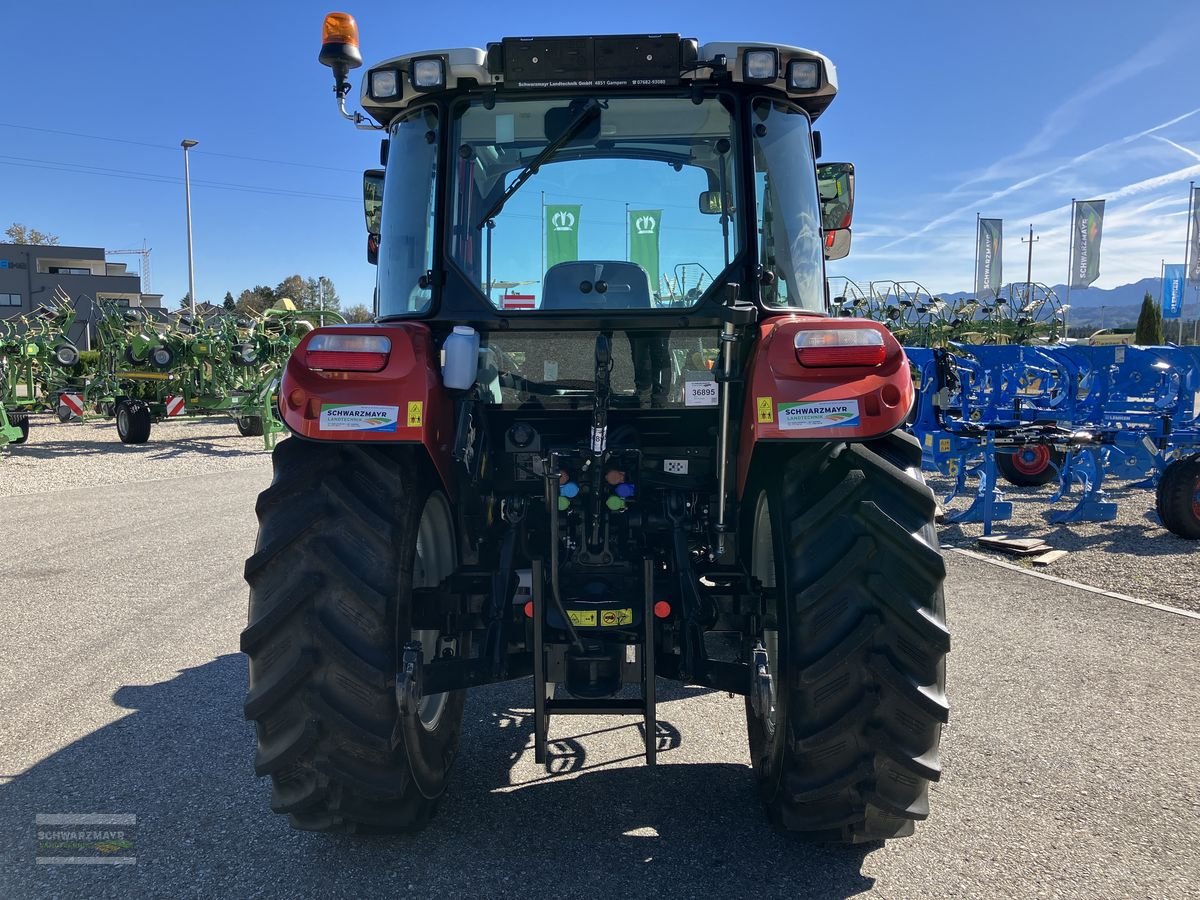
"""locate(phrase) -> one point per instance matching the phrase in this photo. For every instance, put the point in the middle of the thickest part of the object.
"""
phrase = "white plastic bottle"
(460, 358)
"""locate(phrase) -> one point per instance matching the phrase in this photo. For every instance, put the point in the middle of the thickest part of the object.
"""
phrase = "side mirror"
(710, 203)
(373, 211)
(835, 186)
(837, 243)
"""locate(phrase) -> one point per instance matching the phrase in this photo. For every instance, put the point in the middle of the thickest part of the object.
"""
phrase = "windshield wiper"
(590, 109)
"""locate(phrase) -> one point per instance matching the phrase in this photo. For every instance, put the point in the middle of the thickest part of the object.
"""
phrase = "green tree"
(185, 302)
(358, 313)
(295, 289)
(1149, 324)
(229, 303)
(255, 299)
(19, 234)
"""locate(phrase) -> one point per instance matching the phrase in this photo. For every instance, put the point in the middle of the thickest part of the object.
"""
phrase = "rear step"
(544, 704)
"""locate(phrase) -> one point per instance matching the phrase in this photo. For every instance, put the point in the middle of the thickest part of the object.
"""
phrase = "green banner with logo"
(562, 233)
(643, 242)
(1085, 242)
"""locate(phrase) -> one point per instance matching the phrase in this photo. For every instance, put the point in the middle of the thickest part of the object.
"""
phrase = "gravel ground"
(1133, 554)
(61, 456)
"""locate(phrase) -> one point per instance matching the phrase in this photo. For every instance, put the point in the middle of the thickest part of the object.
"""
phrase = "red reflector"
(342, 361)
(818, 357)
(662, 609)
(529, 609)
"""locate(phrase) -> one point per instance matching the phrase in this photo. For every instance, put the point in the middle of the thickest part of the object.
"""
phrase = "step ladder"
(546, 705)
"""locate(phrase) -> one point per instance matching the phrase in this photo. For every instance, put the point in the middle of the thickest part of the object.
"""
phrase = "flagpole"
(628, 246)
(975, 274)
(1070, 270)
(1187, 258)
(543, 245)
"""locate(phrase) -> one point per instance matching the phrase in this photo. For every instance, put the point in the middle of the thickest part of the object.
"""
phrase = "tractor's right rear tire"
(1177, 499)
(133, 422)
(1030, 466)
(345, 533)
(847, 744)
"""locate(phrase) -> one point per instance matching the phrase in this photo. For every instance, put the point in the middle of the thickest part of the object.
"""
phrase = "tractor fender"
(787, 401)
(402, 403)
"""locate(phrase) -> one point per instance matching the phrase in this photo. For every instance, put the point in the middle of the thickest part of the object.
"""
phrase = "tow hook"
(760, 681)
(408, 680)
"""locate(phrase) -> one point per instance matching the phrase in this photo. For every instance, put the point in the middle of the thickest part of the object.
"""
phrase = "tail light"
(829, 347)
(348, 352)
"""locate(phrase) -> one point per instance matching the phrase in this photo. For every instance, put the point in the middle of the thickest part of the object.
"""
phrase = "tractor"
(666, 460)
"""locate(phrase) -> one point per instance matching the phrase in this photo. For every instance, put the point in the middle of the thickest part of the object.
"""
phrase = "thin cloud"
(1179, 147)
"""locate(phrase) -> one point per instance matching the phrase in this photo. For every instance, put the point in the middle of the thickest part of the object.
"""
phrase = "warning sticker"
(416, 413)
(358, 417)
(616, 617)
(828, 414)
(582, 618)
(943, 444)
(700, 393)
(929, 440)
(766, 410)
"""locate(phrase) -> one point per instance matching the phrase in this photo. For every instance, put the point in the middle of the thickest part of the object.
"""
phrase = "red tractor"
(668, 461)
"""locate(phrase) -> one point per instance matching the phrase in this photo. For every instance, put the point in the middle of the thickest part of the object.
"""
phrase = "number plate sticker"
(700, 393)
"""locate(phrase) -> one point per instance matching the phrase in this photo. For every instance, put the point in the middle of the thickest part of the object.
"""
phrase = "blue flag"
(1172, 291)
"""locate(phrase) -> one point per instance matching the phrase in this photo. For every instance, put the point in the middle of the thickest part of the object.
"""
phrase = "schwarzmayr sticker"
(830, 414)
(357, 417)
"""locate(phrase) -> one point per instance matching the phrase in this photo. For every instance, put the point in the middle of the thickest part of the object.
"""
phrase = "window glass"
(406, 242)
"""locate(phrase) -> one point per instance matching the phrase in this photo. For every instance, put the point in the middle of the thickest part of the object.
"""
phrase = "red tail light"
(830, 347)
(348, 352)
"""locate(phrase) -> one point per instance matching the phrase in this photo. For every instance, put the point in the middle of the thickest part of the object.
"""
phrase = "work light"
(804, 75)
(385, 84)
(428, 74)
(760, 65)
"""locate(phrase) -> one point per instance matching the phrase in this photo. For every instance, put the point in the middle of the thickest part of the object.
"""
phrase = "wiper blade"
(590, 109)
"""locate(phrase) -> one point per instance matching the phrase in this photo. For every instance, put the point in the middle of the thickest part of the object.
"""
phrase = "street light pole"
(187, 193)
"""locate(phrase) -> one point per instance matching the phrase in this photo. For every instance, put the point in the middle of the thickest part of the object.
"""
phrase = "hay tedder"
(37, 361)
(615, 481)
(226, 365)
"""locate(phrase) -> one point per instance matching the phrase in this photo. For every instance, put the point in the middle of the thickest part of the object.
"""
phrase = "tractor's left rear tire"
(846, 744)
(346, 532)
(1177, 499)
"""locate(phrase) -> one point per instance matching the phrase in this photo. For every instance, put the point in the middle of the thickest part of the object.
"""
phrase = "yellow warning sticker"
(943, 444)
(416, 413)
(766, 410)
(929, 440)
(582, 618)
(616, 617)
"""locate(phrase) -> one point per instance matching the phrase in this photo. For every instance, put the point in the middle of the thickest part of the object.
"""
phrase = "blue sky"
(947, 109)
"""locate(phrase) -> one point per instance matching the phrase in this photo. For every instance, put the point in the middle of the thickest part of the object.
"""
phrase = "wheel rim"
(1196, 499)
(123, 419)
(1031, 460)
(762, 567)
(434, 560)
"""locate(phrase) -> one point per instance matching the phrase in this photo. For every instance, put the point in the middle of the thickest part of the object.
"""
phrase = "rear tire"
(850, 742)
(133, 422)
(21, 421)
(345, 533)
(1177, 499)
(250, 426)
(1030, 466)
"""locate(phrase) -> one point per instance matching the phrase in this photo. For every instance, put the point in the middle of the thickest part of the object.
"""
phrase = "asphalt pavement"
(1071, 763)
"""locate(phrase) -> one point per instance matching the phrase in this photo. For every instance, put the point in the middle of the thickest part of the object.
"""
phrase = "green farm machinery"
(151, 370)
(37, 361)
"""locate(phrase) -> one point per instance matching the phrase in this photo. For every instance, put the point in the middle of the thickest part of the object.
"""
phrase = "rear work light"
(348, 352)
(828, 347)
